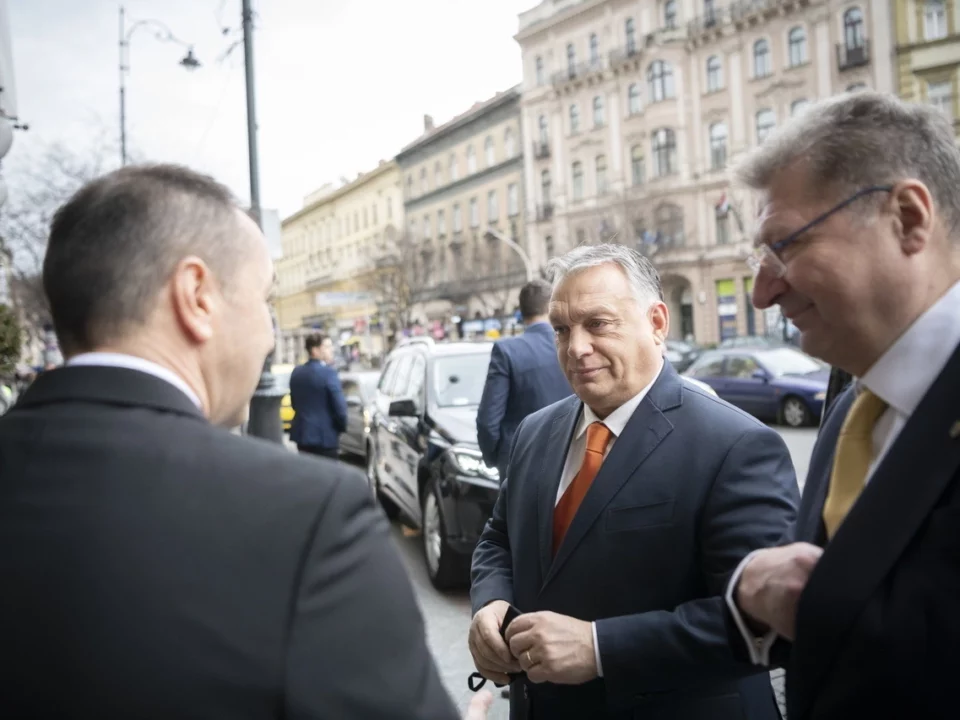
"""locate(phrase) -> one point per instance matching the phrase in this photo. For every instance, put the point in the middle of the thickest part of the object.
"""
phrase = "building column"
(616, 142)
(738, 139)
(527, 135)
(825, 57)
(881, 13)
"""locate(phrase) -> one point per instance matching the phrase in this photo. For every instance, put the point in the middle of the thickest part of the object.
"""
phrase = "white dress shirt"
(131, 362)
(901, 377)
(615, 422)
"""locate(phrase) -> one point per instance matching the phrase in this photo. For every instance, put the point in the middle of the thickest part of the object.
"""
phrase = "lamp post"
(163, 34)
(265, 404)
(527, 264)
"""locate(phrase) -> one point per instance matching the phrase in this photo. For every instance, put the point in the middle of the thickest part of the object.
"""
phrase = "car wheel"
(444, 566)
(373, 479)
(794, 412)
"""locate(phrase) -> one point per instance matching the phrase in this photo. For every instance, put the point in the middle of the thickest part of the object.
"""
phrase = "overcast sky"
(340, 84)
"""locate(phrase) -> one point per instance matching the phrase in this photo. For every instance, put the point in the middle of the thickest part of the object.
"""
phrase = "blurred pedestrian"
(624, 509)
(317, 400)
(523, 377)
(858, 245)
(152, 563)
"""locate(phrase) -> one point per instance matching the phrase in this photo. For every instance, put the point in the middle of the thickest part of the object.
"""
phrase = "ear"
(195, 297)
(915, 213)
(660, 320)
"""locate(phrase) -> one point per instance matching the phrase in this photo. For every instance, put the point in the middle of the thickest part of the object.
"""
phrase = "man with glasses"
(857, 245)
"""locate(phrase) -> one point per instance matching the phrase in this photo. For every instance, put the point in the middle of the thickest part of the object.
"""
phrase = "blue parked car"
(775, 383)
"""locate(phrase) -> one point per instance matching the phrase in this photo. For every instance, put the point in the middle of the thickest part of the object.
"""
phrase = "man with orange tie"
(625, 510)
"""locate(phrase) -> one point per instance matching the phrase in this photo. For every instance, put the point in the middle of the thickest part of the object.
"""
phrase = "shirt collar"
(904, 373)
(616, 421)
(131, 362)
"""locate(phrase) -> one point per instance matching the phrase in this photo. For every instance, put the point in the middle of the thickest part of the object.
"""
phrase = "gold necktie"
(852, 459)
(598, 437)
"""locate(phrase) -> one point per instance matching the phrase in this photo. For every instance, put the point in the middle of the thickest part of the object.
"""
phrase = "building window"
(438, 174)
(548, 246)
(493, 207)
(488, 152)
(601, 166)
(934, 20)
(637, 170)
(853, 34)
(668, 219)
(633, 98)
(709, 13)
(471, 160)
(474, 213)
(940, 96)
(631, 35)
(578, 181)
(544, 132)
(509, 143)
(389, 208)
(545, 187)
(594, 50)
(427, 230)
(670, 14)
(766, 121)
(714, 74)
(539, 71)
(513, 200)
(574, 119)
(375, 221)
(571, 61)
(718, 146)
(413, 231)
(454, 168)
(424, 183)
(660, 80)
(441, 223)
(664, 147)
(457, 218)
(722, 220)
(598, 111)
(581, 236)
(797, 46)
(409, 195)
(762, 65)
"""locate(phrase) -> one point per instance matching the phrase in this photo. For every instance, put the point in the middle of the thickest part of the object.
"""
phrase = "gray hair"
(643, 276)
(862, 139)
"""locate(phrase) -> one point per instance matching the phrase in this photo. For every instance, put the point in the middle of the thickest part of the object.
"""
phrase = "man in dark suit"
(317, 399)
(152, 563)
(524, 376)
(859, 210)
(624, 511)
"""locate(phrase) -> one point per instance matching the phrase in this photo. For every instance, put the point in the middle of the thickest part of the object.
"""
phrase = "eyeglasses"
(768, 256)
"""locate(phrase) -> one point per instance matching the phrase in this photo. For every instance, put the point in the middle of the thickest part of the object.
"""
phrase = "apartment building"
(463, 203)
(633, 109)
(328, 277)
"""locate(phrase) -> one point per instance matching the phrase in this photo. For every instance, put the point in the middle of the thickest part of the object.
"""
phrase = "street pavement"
(447, 615)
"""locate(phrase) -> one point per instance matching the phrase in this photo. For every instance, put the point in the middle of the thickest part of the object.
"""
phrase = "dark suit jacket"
(321, 410)
(689, 486)
(878, 625)
(524, 376)
(154, 566)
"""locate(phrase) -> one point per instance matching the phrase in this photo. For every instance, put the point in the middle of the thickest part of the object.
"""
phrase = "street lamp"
(163, 34)
(527, 264)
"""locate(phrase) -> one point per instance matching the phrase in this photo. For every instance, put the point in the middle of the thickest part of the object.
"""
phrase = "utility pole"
(265, 405)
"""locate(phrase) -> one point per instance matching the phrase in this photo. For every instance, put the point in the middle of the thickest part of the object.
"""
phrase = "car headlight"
(820, 396)
(471, 463)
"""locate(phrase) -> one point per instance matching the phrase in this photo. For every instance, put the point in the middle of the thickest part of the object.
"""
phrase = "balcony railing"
(712, 19)
(541, 150)
(544, 212)
(852, 56)
(745, 8)
(618, 56)
(577, 71)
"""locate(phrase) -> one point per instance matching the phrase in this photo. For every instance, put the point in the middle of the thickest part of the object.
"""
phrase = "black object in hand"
(476, 681)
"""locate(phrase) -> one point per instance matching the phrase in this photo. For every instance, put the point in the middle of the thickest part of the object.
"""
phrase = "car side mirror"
(761, 375)
(354, 401)
(404, 408)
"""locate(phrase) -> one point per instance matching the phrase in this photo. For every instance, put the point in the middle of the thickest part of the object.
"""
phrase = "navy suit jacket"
(689, 488)
(321, 410)
(878, 624)
(524, 376)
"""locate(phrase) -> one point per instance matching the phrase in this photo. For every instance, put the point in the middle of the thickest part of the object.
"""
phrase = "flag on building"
(723, 206)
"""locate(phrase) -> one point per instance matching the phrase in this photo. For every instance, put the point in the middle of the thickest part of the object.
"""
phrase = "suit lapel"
(645, 430)
(561, 435)
(892, 508)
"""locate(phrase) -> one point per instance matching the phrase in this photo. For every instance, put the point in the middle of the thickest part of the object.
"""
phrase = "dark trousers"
(323, 452)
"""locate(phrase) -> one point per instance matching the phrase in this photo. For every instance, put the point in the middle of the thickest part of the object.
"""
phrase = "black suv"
(423, 462)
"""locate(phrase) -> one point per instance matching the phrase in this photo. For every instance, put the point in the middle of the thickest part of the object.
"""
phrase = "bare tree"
(402, 272)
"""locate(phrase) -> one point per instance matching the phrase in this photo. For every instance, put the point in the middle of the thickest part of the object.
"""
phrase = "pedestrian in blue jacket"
(317, 399)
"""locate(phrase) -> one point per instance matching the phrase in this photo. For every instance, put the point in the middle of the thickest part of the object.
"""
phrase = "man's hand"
(490, 653)
(479, 706)
(770, 585)
(553, 648)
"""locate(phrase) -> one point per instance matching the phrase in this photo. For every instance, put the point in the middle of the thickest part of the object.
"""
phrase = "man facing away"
(524, 376)
(624, 511)
(152, 564)
(859, 209)
(317, 400)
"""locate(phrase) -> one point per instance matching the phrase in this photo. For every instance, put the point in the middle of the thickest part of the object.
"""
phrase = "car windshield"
(459, 379)
(784, 361)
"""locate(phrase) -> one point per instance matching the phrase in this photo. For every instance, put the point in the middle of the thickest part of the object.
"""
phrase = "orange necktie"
(598, 436)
